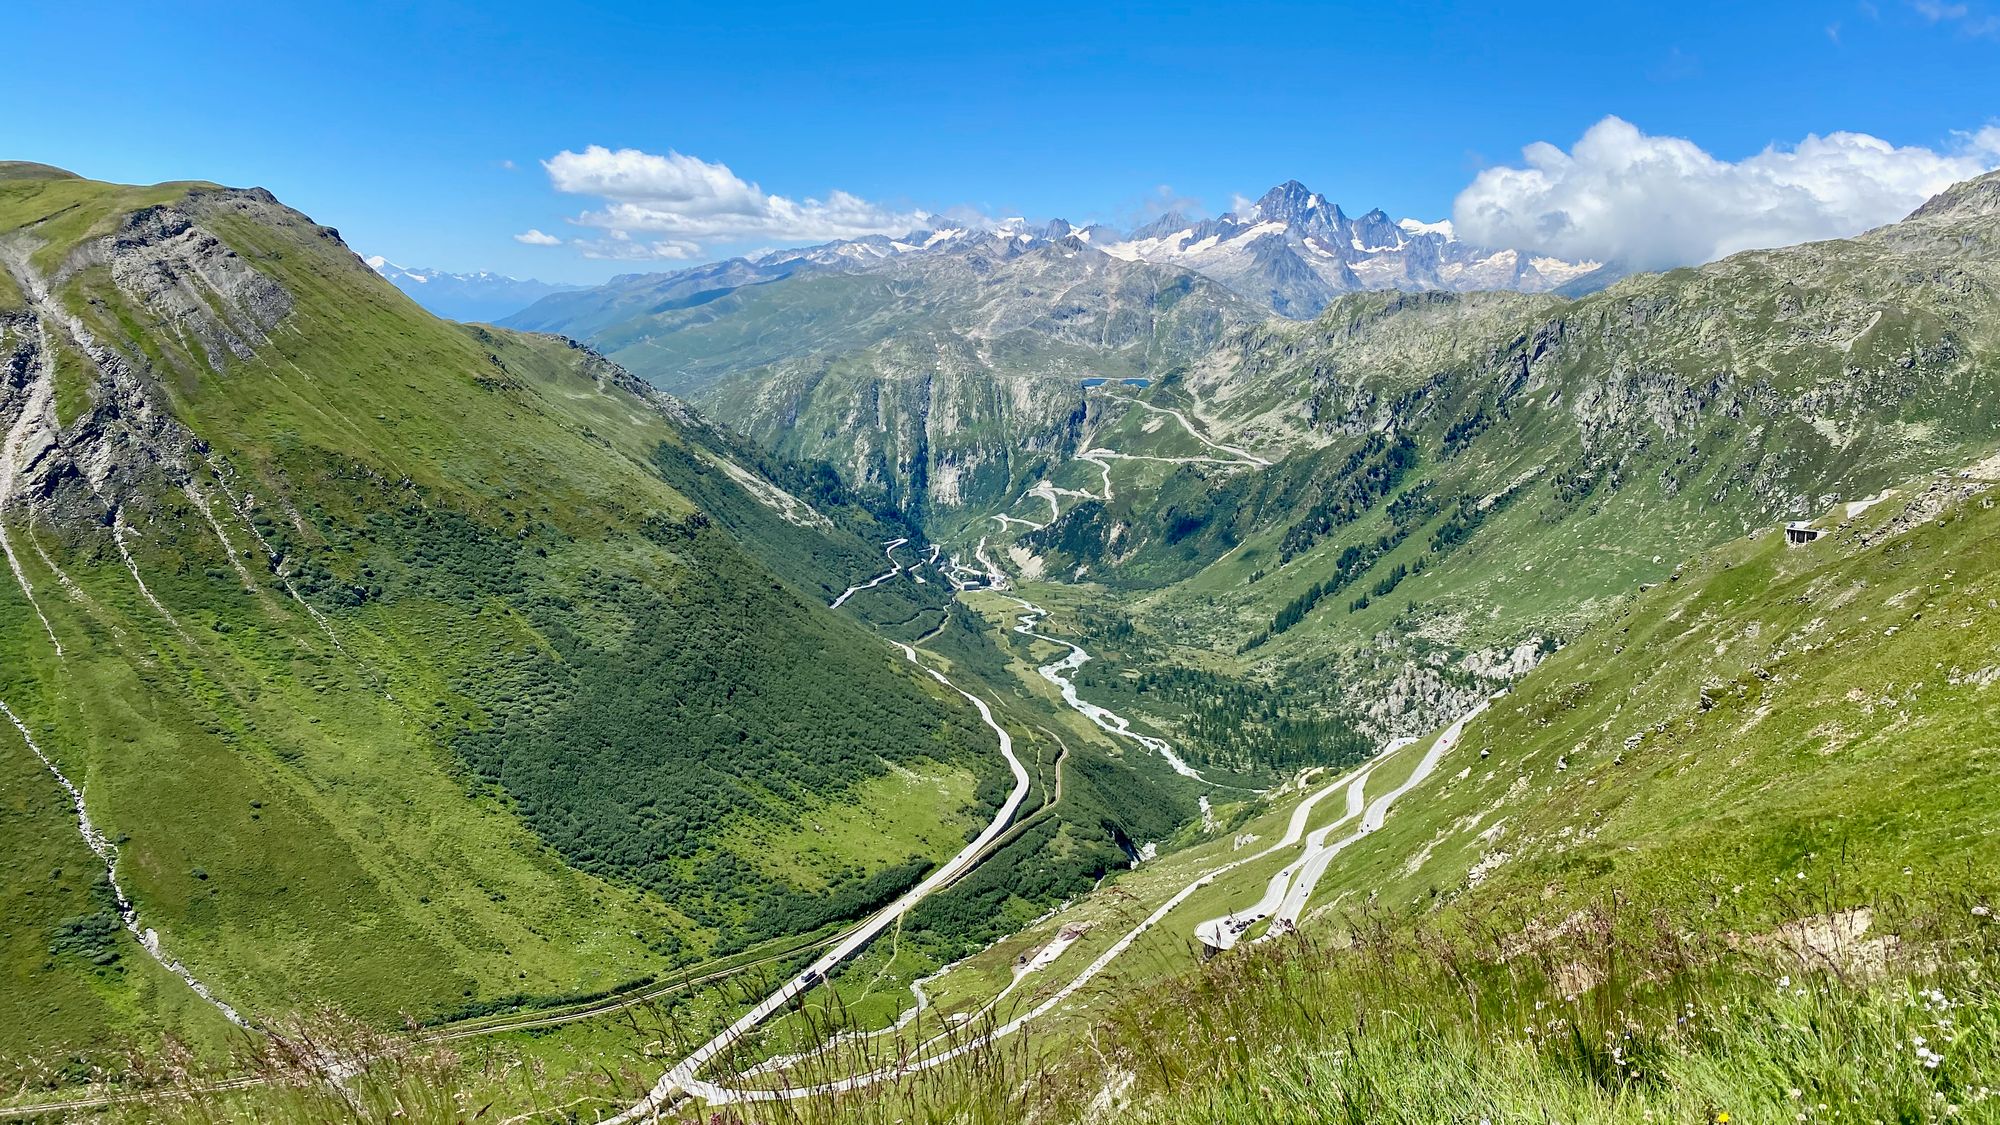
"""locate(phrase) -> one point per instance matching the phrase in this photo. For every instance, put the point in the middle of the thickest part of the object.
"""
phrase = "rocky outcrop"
(198, 287)
(123, 444)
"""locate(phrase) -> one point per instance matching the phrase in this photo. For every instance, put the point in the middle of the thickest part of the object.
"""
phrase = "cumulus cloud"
(533, 237)
(672, 206)
(619, 245)
(1654, 202)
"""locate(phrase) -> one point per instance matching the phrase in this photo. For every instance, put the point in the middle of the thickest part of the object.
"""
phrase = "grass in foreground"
(1884, 1011)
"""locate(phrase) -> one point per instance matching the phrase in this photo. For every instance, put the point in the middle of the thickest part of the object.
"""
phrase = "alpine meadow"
(874, 573)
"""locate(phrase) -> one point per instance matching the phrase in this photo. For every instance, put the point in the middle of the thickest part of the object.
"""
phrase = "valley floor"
(1541, 912)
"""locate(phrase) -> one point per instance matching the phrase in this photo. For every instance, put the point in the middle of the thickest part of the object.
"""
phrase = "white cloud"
(1655, 202)
(1962, 16)
(690, 202)
(533, 237)
(620, 246)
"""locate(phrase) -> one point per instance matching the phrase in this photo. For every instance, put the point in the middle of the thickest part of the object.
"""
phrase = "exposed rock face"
(181, 272)
(1295, 250)
(88, 469)
(966, 377)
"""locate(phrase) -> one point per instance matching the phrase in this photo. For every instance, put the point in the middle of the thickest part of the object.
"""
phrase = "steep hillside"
(1453, 478)
(401, 665)
(1730, 852)
(937, 379)
(482, 296)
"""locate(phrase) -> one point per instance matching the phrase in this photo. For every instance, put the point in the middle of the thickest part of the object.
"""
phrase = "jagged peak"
(1294, 202)
(1166, 224)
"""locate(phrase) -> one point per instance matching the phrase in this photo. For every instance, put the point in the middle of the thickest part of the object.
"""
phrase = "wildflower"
(1983, 911)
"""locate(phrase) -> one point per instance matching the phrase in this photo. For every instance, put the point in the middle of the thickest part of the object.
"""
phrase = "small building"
(1801, 531)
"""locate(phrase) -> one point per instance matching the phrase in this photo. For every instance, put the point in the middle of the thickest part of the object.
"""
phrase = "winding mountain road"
(1244, 455)
(1301, 878)
(895, 568)
(681, 1081)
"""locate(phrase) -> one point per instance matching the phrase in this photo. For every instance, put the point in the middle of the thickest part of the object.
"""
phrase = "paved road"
(895, 568)
(1373, 815)
(1246, 456)
(681, 1080)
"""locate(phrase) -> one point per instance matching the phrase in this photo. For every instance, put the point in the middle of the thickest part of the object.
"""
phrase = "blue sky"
(398, 123)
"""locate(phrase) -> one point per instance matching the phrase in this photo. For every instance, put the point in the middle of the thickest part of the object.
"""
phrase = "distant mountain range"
(1292, 252)
(478, 297)
(985, 332)
(1295, 250)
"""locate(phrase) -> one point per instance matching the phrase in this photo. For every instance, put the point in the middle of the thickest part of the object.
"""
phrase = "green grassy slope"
(423, 686)
(1730, 852)
(1461, 475)
(1780, 764)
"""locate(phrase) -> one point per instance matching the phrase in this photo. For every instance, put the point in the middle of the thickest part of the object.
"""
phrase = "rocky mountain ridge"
(483, 296)
(1295, 251)
(1291, 252)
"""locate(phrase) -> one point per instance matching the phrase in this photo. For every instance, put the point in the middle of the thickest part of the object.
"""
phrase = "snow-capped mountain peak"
(481, 296)
(1441, 228)
(1295, 250)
